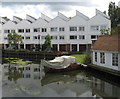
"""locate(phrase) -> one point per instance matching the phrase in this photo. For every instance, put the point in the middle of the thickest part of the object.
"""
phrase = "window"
(73, 28)
(27, 30)
(102, 57)
(12, 31)
(36, 29)
(54, 37)
(36, 69)
(82, 28)
(94, 28)
(42, 37)
(53, 29)
(6, 31)
(102, 27)
(20, 30)
(115, 59)
(39, 37)
(27, 68)
(28, 37)
(28, 75)
(95, 56)
(61, 29)
(61, 37)
(5, 38)
(35, 37)
(81, 37)
(73, 37)
(93, 36)
(44, 30)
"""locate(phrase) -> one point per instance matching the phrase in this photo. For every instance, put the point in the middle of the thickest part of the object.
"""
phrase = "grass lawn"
(79, 57)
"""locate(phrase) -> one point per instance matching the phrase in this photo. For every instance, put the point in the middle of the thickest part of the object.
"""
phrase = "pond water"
(21, 78)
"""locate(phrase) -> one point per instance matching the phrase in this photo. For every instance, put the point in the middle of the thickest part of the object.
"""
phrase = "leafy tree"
(115, 30)
(114, 13)
(14, 39)
(47, 43)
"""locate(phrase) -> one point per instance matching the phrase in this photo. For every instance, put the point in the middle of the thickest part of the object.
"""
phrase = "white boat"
(61, 63)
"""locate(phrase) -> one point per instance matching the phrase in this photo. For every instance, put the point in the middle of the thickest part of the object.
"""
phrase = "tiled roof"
(108, 43)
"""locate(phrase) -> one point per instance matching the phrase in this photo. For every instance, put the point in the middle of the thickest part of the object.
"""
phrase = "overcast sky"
(50, 8)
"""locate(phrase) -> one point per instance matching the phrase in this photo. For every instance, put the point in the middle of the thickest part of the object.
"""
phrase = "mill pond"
(28, 79)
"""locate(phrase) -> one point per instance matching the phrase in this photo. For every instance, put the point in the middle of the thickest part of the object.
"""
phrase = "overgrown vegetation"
(87, 58)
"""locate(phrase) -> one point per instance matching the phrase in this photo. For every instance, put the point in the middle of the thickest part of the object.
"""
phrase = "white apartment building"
(68, 34)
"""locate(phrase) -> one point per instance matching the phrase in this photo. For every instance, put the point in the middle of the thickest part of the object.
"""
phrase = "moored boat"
(62, 63)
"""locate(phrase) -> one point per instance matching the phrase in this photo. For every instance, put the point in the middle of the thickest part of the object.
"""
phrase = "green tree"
(47, 43)
(114, 13)
(14, 39)
(115, 30)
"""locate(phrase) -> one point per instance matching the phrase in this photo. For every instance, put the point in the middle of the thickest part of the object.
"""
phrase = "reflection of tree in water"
(13, 74)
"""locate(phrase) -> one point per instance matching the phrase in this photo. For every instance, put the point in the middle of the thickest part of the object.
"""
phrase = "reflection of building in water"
(34, 83)
(31, 71)
(104, 89)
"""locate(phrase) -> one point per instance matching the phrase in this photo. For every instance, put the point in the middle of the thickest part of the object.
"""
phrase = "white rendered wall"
(24, 24)
(9, 25)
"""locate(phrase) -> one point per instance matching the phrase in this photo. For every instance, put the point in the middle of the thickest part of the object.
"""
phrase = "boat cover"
(60, 62)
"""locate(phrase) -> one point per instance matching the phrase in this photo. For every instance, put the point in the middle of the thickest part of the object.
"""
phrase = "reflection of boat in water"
(63, 63)
(59, 77)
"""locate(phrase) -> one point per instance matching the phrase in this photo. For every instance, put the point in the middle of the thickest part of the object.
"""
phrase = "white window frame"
(102, 57)
(73, 28)
(61, 29)
(81, 28)
(114, 59)
(95, 55)
(36, 30)
(27, 30)
(95, 28)
(53, 29)
(54, 37)
(22, 30)
(82, 37)
(44, 30)
(74, 37)
(61, 37)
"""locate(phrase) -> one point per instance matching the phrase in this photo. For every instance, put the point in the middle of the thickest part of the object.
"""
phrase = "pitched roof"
(108, 43)
(5, 18)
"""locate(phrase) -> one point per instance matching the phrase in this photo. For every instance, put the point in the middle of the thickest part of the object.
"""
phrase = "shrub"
(87, 58)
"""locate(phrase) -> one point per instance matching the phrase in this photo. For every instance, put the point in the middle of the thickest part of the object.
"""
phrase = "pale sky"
(51, 8)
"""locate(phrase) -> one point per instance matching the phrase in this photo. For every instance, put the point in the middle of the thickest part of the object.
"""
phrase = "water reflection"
(26, 79)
